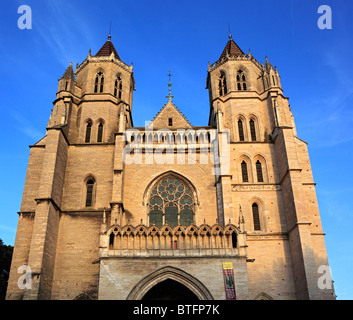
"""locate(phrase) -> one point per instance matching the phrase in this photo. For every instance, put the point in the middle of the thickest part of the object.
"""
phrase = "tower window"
(241, 130)
(241, 81)
(170, 122)
(118, 87)
(256, 217)
(96, 84)
(99, 82)
(244, 171)
(100, 132)
(89, 192)
(252, 130)
(102, 84)
(222, 84)
(260, 177)
(88, 131)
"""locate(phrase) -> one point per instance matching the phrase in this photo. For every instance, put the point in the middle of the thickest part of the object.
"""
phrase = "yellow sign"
(227, 265)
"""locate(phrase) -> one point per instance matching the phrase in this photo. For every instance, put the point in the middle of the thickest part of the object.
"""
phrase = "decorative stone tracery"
(141, 240)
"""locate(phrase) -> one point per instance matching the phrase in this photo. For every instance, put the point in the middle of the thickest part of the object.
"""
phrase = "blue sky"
(315, 67)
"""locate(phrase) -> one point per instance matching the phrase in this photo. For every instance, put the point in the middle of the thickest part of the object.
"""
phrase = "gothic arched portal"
(169, 290)
(155, 286)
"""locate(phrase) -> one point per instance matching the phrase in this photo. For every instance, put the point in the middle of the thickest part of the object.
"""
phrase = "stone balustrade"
(144, 241)
(136, 137)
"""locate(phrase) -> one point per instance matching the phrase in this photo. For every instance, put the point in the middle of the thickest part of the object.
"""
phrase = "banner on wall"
(229, 280)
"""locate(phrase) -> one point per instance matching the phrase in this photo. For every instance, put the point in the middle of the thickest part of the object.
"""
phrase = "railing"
(175, 138)
(143, 241)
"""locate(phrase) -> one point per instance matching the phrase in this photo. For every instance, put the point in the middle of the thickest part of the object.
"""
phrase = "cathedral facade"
(170, 210)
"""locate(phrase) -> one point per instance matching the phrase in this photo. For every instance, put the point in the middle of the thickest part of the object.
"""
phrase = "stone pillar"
(223, 177)
(118, 180)
(298, 220)
(42, 252)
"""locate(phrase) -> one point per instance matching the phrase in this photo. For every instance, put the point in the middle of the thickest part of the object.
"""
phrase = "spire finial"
(170, 88)
(110, 30)
(230, 35)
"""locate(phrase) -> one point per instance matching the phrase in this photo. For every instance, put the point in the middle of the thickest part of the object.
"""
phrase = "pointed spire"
(69, 73)
(231, 49)
(107, 49)
(268, 65)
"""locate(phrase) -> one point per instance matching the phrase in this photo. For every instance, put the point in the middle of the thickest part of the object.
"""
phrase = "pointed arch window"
(118, 87)
(252, 130)
(99, 82)
(96, 84)
(256, 216)
(241, 81)
(100, 132)
(260, 177)
(88, 131)
(89, 192)
(241, 130)
(171, 202)
(244, 171)
(222, 84)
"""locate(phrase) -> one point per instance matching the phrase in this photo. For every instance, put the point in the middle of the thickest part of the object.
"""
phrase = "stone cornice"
(256, 187)
(219, 63)
(62, 131)
(249, 94)
(48, 199)
(290, 170)
(263, 236)
(103, 59)
(26, 213)
(304, 223)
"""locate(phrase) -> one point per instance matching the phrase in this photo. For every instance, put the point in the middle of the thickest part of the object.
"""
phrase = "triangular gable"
(170, 111)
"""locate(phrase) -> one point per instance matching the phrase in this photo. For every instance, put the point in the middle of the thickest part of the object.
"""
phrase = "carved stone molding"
(253, 187)
(266, 237)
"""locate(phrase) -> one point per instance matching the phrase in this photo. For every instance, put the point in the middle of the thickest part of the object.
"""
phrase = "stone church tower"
(170, 210)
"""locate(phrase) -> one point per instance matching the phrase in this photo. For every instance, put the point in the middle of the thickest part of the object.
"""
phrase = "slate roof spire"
(107, 49)
(231, 49)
